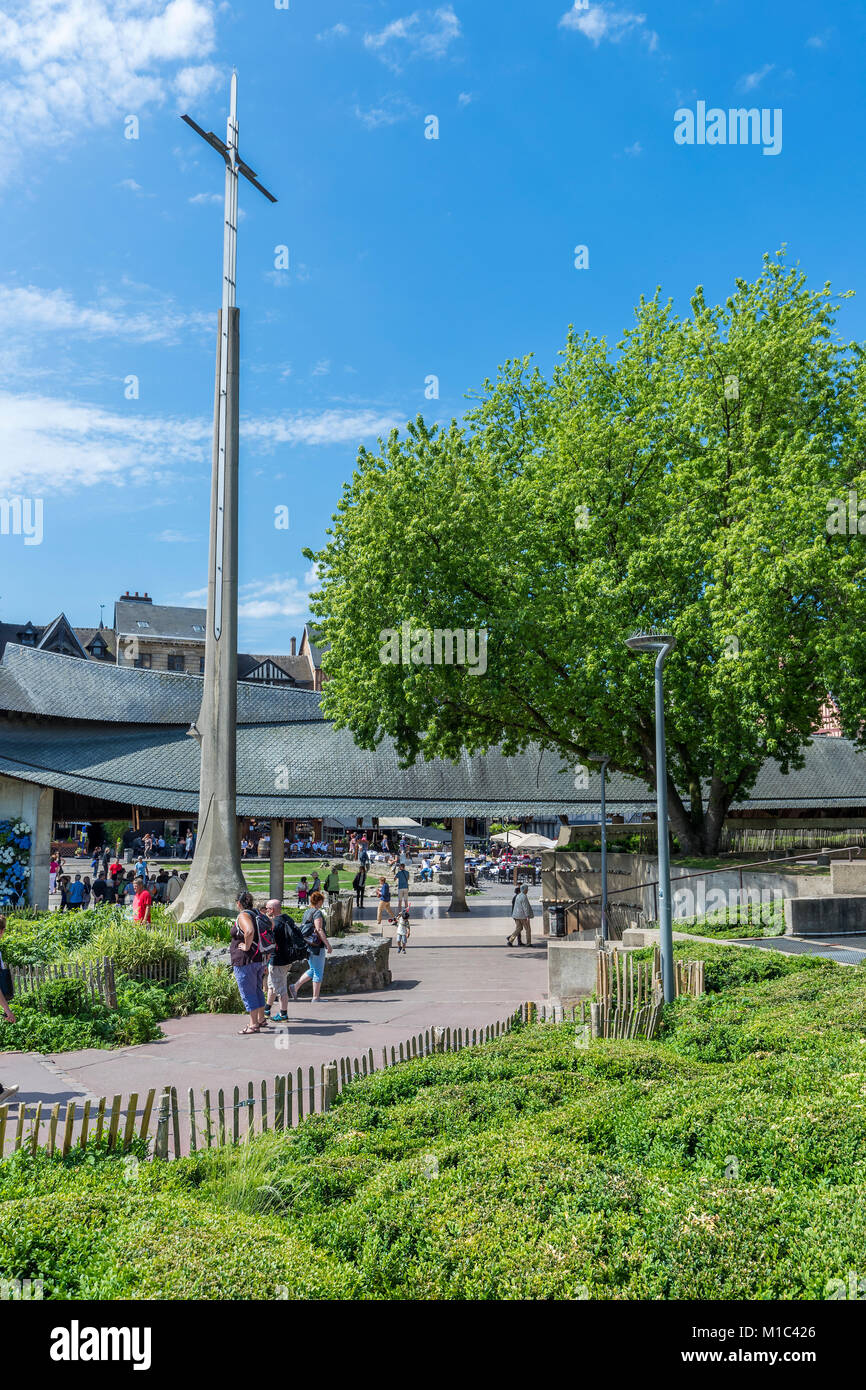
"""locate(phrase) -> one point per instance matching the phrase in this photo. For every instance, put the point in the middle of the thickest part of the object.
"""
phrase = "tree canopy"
(682, 482)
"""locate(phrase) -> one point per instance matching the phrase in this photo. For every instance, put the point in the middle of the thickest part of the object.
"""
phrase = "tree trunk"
(699, 832)
(458, 866)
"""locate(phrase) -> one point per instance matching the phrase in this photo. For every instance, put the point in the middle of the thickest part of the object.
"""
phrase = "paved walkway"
(462, 982)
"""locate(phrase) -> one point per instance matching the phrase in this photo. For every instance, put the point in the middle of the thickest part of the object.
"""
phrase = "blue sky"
(409, 257)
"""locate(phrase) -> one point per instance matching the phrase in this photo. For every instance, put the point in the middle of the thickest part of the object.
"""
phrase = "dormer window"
(98, 649)
(142, 623)
(198, 627)
(28, 636)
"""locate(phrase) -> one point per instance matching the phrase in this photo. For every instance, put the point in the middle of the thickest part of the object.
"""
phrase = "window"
(197, 627)
(142, 623)
(98, 650)
(143, 661)
(175, 662)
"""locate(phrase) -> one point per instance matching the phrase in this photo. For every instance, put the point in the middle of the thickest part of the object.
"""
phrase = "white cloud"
(130, 184)
(392, 110)
(66, 445)
(606, 22)
(336, 31)
(328, 427)
(39, 310)
(423, 34)
(71, 67)
(322, 367)
(277, 597)
(751, 80)
(174, 538)
(464, 98)
(634, 150)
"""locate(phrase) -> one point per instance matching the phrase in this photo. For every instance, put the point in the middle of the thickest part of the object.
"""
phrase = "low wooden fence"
(218, 1117)
(629, 995)
(98, 975)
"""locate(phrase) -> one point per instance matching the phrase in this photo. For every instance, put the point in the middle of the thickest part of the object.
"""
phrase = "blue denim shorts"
(316, 965)
(249, 979)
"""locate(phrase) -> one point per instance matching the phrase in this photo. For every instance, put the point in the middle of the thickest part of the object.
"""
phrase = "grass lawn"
(257, 872)
(724, 1160)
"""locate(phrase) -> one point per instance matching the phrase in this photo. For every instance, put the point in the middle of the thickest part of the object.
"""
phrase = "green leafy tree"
(684, 482)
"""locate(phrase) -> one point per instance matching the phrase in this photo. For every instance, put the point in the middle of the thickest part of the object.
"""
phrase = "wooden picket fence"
(97, 975)
(219, 1118)
(629, 995)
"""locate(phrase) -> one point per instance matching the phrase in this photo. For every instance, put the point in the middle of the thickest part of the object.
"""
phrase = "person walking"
(100, 888)
(53, 871)
(6, 1092)
(303, 891)
(313, 931)
(359, 883)
(383, 893)
(403, 931)
(521, 914)
(402, 887)
(247, 965)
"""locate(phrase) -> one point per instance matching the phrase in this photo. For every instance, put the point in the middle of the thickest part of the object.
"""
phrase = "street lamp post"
(604, 759)
(661, 643)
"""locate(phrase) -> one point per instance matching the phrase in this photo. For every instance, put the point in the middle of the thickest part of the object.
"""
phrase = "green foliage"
(62, 1015)
(723, 1162)
(132, 945)
(682, 481)
(34, 937)
(209, 989)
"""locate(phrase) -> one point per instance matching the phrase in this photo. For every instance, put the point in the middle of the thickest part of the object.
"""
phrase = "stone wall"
(356, 965)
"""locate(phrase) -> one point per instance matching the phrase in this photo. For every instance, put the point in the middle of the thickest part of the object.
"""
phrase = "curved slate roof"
(120, 734)
(39, 682)
(295, 769)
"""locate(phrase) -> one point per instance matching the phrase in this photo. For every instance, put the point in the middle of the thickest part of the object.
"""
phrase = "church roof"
(120, 734)
(39, 682)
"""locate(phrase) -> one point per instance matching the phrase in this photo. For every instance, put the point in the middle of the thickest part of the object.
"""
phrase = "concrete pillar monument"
(215, 877)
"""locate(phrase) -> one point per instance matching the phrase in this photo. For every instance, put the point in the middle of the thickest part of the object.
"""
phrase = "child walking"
(303, 892)
(402, 931)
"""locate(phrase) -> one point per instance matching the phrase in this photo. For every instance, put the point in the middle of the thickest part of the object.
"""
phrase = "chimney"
(293, 646)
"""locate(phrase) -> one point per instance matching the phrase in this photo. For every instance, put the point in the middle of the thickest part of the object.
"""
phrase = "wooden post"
(329, 1085)
(161, 1146)
(108, 976)
(438, 1039)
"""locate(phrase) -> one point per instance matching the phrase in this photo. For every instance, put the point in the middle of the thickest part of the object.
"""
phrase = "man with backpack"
(290, 947)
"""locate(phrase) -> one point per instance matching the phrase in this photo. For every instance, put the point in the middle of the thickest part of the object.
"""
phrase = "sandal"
(244, 1032)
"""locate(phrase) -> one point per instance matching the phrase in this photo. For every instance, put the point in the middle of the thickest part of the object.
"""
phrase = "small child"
(302, 892)
(402, 932)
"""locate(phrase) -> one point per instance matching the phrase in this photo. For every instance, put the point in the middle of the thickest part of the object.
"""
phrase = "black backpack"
(294, 947)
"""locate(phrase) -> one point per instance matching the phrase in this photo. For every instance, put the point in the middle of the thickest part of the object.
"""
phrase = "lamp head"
(650, 640)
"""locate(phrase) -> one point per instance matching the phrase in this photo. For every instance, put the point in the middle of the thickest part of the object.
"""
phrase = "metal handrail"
(702, 873)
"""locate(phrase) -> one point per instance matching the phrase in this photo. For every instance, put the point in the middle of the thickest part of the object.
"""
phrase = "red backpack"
(264, 944)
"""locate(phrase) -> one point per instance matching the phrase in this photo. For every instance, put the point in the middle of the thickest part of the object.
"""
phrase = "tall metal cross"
(234, 166)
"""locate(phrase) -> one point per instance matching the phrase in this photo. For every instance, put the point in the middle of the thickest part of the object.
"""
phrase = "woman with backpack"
(248, 964)
(313, 931)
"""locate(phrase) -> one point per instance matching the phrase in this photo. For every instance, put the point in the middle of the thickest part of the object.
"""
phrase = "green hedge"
(723, 1161)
